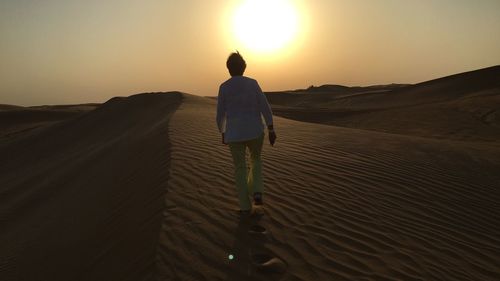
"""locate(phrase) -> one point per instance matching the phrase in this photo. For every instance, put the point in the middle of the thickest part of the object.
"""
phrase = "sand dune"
(141, 188)
(465, 106)
(341, 204)
(393, 95)
(82, 199)
(332, 91)
(9, 107)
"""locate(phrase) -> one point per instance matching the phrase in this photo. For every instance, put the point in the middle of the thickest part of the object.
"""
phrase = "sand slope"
(341, 204)
(82, 199)
(464, 106)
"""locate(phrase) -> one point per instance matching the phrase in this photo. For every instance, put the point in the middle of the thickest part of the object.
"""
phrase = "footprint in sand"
(265, 262)
(258, 211)
(258, 233)
(269, 264)
(257, 229)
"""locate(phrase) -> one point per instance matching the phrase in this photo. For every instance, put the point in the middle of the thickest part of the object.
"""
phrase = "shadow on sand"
(250, 258)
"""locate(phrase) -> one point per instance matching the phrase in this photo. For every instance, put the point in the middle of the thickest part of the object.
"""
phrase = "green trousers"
(247, 181)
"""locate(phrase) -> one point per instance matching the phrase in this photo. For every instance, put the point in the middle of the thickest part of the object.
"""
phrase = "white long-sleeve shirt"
(240, 107)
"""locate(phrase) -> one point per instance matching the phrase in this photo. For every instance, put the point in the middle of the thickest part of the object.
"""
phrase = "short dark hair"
(236, 64)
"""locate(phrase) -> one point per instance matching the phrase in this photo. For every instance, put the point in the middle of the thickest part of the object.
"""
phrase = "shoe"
(257, 198)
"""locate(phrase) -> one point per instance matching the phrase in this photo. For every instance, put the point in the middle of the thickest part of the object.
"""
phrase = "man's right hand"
(223, 142)
(272, 137)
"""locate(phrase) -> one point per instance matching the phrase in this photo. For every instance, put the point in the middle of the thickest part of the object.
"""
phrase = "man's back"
(240, 95)
(241, 103)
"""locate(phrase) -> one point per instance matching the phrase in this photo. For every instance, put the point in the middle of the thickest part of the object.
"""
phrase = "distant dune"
(8, 107)
(345, 90)
(16, 120)
(140, 188)
(465, 106)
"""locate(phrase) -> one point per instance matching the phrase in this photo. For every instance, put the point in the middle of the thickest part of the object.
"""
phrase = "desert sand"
(82, 199)
(142, 189)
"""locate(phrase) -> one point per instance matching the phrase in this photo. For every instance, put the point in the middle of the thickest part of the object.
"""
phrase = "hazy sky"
(67, 51)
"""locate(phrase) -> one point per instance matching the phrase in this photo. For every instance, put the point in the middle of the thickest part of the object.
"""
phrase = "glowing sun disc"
(265, 25)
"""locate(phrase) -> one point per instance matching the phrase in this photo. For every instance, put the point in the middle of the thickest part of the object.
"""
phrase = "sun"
(265, 26)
